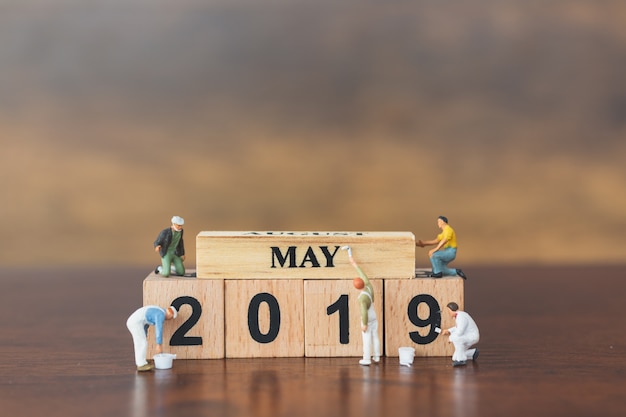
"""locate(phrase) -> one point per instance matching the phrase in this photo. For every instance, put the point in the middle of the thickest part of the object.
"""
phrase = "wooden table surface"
(553, 343)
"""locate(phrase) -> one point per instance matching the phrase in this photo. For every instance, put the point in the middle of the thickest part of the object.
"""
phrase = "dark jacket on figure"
(165, 239)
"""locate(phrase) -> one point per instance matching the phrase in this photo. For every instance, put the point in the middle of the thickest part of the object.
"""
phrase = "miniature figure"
(444, 251)
(138, 323)
(171, 247)
(369, 322)
(464, 335)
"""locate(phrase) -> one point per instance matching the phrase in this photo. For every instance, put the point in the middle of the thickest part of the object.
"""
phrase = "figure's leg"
(367, 347)
(471, 354)
(140, 342)
(166, 264)
(178, 265)
(375, 340)
(435, 261)
(459, 356)
(446, 256)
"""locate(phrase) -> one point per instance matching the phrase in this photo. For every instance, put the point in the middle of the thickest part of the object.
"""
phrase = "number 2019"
(180, 338)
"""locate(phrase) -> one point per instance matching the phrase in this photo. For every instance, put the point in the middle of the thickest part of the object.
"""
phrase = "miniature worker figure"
(444, 251)
(369, 323)
(171, 247)
(464, 335)
(138, 324)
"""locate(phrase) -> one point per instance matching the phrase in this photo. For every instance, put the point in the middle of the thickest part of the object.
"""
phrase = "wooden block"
(198, 330)
(332, 325)
(414, 307)
(264, 318)
(303, 255)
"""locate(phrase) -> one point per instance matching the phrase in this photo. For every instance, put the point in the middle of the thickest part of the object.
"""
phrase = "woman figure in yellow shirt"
(444, 251)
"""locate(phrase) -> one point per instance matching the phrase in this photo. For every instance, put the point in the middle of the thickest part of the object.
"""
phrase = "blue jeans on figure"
(441, 259)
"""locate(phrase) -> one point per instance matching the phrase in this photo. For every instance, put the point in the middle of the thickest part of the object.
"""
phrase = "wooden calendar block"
(198, 330)
(303, 255)
(332, 325)
(414, 308)
(264, 318)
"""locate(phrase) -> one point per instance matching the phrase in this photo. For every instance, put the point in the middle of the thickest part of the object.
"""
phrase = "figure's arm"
(461, 324)
(356, 266)
(422, 243)
(364, 307)
(159, 241)
(181, 245)
(157, 316)
(436, 248)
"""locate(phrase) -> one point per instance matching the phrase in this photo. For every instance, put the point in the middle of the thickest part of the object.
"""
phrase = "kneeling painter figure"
(463, 336)
(171, 247)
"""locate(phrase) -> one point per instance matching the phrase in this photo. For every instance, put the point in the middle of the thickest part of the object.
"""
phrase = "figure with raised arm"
(369, 322)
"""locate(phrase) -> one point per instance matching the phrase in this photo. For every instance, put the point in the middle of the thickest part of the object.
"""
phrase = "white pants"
(137, 324)
(462, 345)
(370, 337)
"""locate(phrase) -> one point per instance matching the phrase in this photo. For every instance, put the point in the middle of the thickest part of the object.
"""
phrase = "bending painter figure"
(138, 324)
(171, 247)
(464, 335)
(444, 251)
(369, 323)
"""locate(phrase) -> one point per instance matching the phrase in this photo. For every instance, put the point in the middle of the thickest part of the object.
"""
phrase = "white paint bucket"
(164, 360)
(406, 355)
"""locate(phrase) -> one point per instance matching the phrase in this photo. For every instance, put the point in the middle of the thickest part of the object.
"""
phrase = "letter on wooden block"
(264, 318)
(414, 308)
(332, 325)
(303, 255)
(198, 330)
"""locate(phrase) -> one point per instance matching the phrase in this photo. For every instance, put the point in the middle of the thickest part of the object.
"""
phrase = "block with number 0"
(264, 318)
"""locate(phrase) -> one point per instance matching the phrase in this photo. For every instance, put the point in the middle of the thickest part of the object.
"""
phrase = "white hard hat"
(174, 312)
(178, 220)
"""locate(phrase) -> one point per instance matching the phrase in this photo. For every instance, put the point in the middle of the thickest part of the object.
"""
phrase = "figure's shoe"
(458, 363)
(348, 249)
(376, 359)
(475, 355)
(145, 368)
(437, 275)
(365, 362)
(157, 270)
(460, 273)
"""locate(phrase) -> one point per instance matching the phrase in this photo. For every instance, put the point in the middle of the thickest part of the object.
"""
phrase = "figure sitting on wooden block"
(444, 251)
(138, 324)
(464, 335)
(171, 247)
(369, 322)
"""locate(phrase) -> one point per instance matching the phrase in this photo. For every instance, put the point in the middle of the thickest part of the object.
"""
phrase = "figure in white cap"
(369, 322)
(171, 248)
(138, 324)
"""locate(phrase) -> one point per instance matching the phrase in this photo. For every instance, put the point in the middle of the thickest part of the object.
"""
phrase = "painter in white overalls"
(369, 323)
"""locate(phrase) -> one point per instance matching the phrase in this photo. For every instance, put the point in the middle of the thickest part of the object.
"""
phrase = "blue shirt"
(156, 316)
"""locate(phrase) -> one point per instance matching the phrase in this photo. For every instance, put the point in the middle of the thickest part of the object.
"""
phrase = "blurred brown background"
(508, 116)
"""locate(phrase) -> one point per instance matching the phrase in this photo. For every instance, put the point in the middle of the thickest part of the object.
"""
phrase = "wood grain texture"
(322, 330)
(277, 317)
(551, 345)
(161, 291)
(303, 255)
(399, 294)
